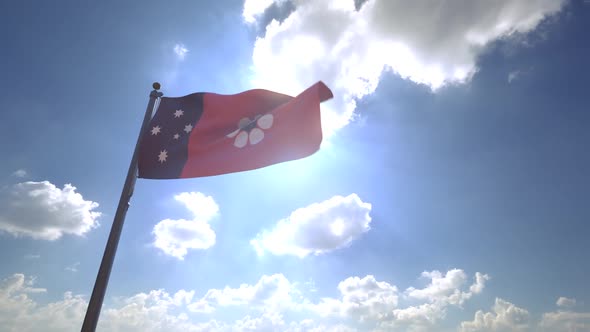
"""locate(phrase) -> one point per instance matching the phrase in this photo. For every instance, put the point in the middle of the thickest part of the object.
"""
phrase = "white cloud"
(442, 291)
(73, 267)
(40, 210)
(19, 173)
(377, 303)
(480, 281)
(176, 236)
(432, 44)
(153, 311)
(448, 287)
(32, 256)
(364, 298)
(203, 207)
(18, 312)
(440, 286)
(565, 302)
(504, 317)
(180, 50)
(513, 75)
(317, 229)
(254, 8)
(272, 291)
(565, 321)
(363, 304)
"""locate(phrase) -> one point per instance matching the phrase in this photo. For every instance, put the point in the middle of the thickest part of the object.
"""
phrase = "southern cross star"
(156, 130)
(176, 136)
(178, 113)
(188, 128)
(163, 156)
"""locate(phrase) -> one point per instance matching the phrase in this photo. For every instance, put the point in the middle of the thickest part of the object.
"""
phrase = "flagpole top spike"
(156, 86)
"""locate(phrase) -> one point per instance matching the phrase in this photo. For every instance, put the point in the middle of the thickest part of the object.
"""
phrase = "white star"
(163, 156)
(178, 113)
(156, 130)
(188, 128)
(176, 136)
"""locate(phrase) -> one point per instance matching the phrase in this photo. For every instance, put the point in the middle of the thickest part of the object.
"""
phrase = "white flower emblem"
(251, 130)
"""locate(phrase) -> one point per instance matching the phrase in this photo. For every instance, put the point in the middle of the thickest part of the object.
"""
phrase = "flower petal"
(241, 139)
(233, 133)
(256, 135)
(265, 121)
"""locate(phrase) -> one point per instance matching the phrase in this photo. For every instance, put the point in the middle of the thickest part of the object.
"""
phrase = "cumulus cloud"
(507, 317)
(442, 291)
(180, 50)
(565, 321)
(448, 287)
(317, 229)
(377, 303)
(349, 48)
(504, 316)
(154, 311)
(266, 304)
(255, 8)
(41, 210)
(18, 312)
(364, 298)
(19, 173)
(270, 291)
(176, 236)
(202, 207)
(565, 302)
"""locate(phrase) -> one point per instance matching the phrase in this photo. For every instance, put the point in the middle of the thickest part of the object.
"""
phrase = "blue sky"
(450, 193)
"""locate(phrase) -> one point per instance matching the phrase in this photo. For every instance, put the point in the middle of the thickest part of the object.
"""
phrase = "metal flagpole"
(102, 278)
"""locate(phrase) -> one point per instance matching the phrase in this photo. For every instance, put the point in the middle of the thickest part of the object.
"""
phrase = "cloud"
(513, 75)
(350, 49)
(156, 310)
(364, 298)
(565, 321)
(254, 8)
(377, 303)
(447, 287)
(19, 173)
(507, 317)
(565, 302)
(504, 317)
(203, 207)
(270, 292)
(18, 312)
(73, 267)
(274, 302)
(443, 290)
(32, 256)
(180, 50)
(176, 236)
(317, 229)
(40, 210)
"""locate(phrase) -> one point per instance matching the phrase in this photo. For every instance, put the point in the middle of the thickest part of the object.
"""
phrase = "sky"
(449, 194)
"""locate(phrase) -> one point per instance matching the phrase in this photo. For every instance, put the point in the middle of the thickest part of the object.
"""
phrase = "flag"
(204, 134)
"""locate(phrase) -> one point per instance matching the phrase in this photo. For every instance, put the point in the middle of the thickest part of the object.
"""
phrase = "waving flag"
(204, 134)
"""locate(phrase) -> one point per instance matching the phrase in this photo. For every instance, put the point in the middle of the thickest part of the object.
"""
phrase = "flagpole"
(102, 278)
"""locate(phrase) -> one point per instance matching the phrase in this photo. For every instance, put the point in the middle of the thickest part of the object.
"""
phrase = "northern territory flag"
(204, 134)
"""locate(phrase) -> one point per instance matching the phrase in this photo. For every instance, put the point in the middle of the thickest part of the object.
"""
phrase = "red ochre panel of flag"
(205, 134)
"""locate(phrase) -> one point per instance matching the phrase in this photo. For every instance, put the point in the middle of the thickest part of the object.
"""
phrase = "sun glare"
(337, 227)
